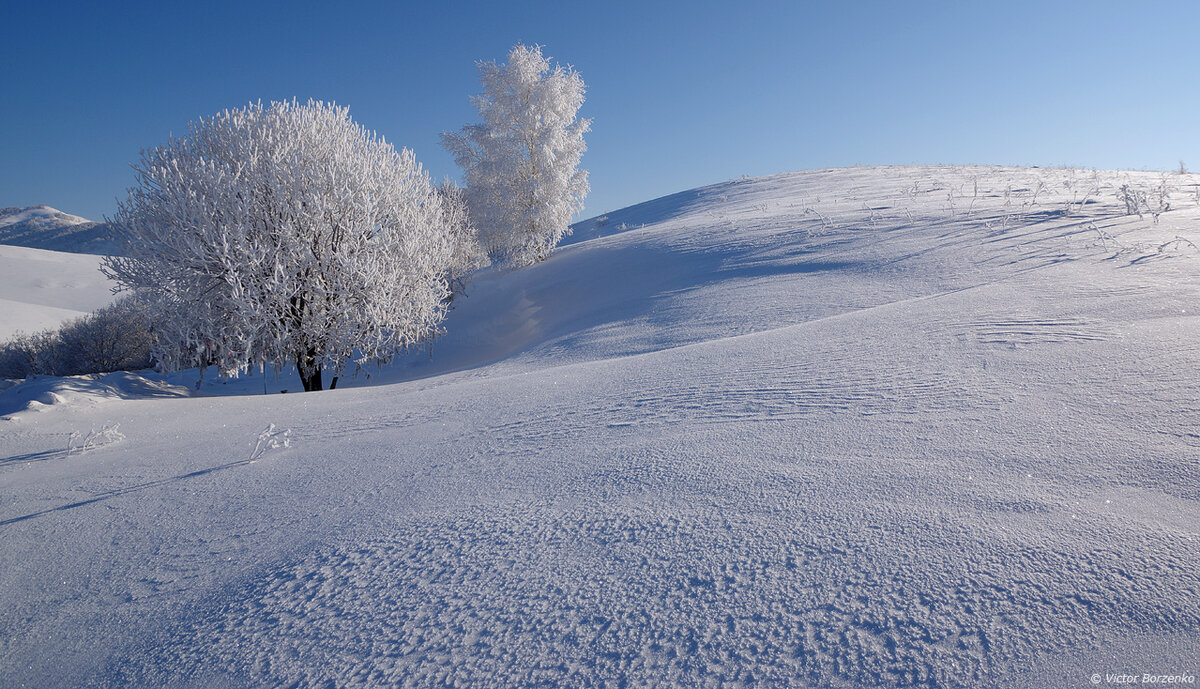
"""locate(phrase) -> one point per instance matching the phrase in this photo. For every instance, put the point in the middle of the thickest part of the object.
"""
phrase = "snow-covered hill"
(918, 426)
(43, 227)
(41, 289)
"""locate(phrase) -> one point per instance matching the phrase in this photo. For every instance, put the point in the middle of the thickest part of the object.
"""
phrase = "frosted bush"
(78, 444)
(117, 337)
(271, 438)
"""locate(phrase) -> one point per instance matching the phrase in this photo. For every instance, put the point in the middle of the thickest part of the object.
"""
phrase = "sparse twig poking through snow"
(824, 219)
(870, 213)
(1107, 241)
(1178, 242)
(1077, 202)
(1162, 195)
(107, 435)
(974, 195)
(270, 439)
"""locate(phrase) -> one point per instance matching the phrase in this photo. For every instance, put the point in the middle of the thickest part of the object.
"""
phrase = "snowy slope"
(861, 427)
(43, 227)
(41, 289)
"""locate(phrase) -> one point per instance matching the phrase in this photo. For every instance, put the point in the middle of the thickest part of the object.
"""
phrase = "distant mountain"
(43, 227)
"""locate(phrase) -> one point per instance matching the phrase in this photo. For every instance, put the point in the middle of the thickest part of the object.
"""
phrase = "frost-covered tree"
(284, 234)
(523, 180)
(468, 255)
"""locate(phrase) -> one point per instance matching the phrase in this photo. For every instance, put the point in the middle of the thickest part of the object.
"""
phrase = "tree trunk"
(312, 381)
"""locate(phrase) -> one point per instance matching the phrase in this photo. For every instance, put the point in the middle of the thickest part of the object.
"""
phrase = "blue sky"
(681, 93)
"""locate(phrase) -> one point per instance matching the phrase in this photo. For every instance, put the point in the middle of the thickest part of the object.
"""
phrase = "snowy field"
(42, 289)
(896, 426)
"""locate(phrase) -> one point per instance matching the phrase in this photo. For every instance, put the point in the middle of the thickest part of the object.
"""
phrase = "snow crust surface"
(919, 426)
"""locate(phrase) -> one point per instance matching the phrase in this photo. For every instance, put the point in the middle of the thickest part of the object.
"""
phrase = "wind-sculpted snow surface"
(895, 427)
(879, 594)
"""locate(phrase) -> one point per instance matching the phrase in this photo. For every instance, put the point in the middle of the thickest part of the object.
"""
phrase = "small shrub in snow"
(28, 355)
(118, 337)
(285, 234)
(1138, 201)
(521, 163)
(270, 438)
(1177, 244)
(78, 444)
(1133, 199)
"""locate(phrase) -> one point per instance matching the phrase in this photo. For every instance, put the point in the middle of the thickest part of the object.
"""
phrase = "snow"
(43, 227)
(30, 318)
(44, 392)
(12, 216)
(859, 427)
(41, 289)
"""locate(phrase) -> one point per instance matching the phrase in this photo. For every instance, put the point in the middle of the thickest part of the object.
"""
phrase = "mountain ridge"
(44, 227)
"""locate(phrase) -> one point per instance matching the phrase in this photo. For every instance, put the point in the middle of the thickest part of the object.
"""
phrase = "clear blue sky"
(681, 93)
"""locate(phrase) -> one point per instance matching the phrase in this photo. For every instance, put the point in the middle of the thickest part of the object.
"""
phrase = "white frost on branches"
(286, 234)
(468, 255)
(521, 163)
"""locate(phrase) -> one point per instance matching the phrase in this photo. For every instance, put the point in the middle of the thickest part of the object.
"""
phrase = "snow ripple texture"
(639, 599)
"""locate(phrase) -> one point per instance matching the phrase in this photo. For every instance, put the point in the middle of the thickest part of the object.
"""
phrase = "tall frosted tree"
(521, 164)
(282, 235)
